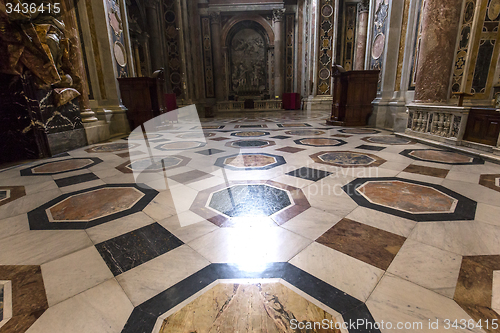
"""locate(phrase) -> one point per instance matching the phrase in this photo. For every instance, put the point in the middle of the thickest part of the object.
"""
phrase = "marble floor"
(251, 222)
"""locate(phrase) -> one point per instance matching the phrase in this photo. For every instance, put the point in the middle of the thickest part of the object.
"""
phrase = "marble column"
(363, 9)
(217, 54)
(152, 9)
(278, 19)
(440, 23)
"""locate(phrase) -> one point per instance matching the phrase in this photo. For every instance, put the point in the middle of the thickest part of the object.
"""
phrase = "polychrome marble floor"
(270, 222)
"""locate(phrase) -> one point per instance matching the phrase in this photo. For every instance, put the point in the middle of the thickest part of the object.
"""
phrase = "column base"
(116, 118)
(97, 131)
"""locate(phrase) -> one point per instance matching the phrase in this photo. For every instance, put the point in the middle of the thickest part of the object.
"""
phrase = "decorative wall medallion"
(327, 10)
(90, 207)
(120, 54)
(153, 164)
(347, 159)
(320, 142)
(250, 143)
(411, 199)
(11, 193)
(250, 161)
(324, 73)
(115, 22)
(378, 46)
(60, 166)
(223, 203)
(441, 156)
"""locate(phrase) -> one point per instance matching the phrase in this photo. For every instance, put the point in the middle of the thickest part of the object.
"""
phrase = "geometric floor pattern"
(281, 223)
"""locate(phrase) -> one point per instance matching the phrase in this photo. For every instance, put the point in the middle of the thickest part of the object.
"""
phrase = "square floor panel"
(292, 150)
(368, 147)
(190, 176)
(368, 244)
(210, 151)
(281, 137)
(427, 171)
(134, 248)
(309, 173)
(73, 180)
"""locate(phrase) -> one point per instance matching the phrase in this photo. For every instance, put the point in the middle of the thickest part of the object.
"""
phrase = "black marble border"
(38, 219)
(364, 128)
(144, 316)
(28, 172)
(465, 209)
(280, 160)
(475, 160)
(282, 125)
(78, 179)
(299, 142)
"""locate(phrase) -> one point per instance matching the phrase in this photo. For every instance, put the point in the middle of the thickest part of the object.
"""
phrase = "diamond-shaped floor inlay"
(309, 173)
(153, 164)
(257, 199)
(250, 161)
(134, 248)
(388, 140)
(441, 156)
(320, 142)
(492, 181)
(60, 166)
(411, 199)
(91, 207)
(250, 143)
(347, 159)
(371, 245)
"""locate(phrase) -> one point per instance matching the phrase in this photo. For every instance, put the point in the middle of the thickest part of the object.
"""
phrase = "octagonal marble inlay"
(320, 142)
(388, 140)
(262, 201)
(62, 166)
(407, 197)
(441, 156)
(249, 200)
(304, 132)
(358, 131)
(90, 207)
(411, 199)
(195, 135)
(180, 145)
(242, 307)
(347, 159)
(111, 147)
(94, 204)
(250, 143)
(250, 161)
(250, 133)
(153, 164)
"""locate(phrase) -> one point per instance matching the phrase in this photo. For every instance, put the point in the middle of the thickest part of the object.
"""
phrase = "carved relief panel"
(350, 18)
(119, 51)
(325, 55)
(379, 35)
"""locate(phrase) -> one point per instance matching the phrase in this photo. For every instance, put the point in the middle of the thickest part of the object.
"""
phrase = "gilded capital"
(278, 15)
(215, 17)
(363, 6)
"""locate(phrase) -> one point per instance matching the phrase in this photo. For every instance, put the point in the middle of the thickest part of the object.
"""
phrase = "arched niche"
(247, 45)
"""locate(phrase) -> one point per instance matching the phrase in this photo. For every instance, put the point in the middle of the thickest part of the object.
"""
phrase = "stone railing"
(262, 105)
(441, 123)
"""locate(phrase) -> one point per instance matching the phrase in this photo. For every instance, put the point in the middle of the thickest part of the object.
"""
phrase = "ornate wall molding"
(278, 15)
(416, 46)
(378, 41)
(289, 52)
(172, 39)
(350, 20)
(364, 6)
(325, 41)
(207, 57)
(246, 17)
(215, 17)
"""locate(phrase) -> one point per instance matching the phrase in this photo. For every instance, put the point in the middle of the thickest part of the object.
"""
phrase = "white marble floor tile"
(108, 230)
(427, 266)
(488, 214)
(147, 280)
(420, 178)
(312, 223)
(82, 186)
(463, 177)
(36, 247)
(27, 203)
(188, 226)
(40, 187)
(249, 247)
(475, 192)
(395, 224)
(396, 301)
(293, 181)
(14, 225)
(70, 275)
(102, 309)
(329, 198)
(348, 274)
(161, 207)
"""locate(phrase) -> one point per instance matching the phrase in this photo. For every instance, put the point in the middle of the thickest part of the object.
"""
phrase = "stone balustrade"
(261, 105)
(440, 123)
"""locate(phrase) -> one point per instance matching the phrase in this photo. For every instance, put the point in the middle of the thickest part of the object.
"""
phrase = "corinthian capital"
(364, 6)
(278, 14)
(215, 17)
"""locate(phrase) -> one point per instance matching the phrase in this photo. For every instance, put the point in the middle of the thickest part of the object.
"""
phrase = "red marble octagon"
(94, 204)
(407, 197)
